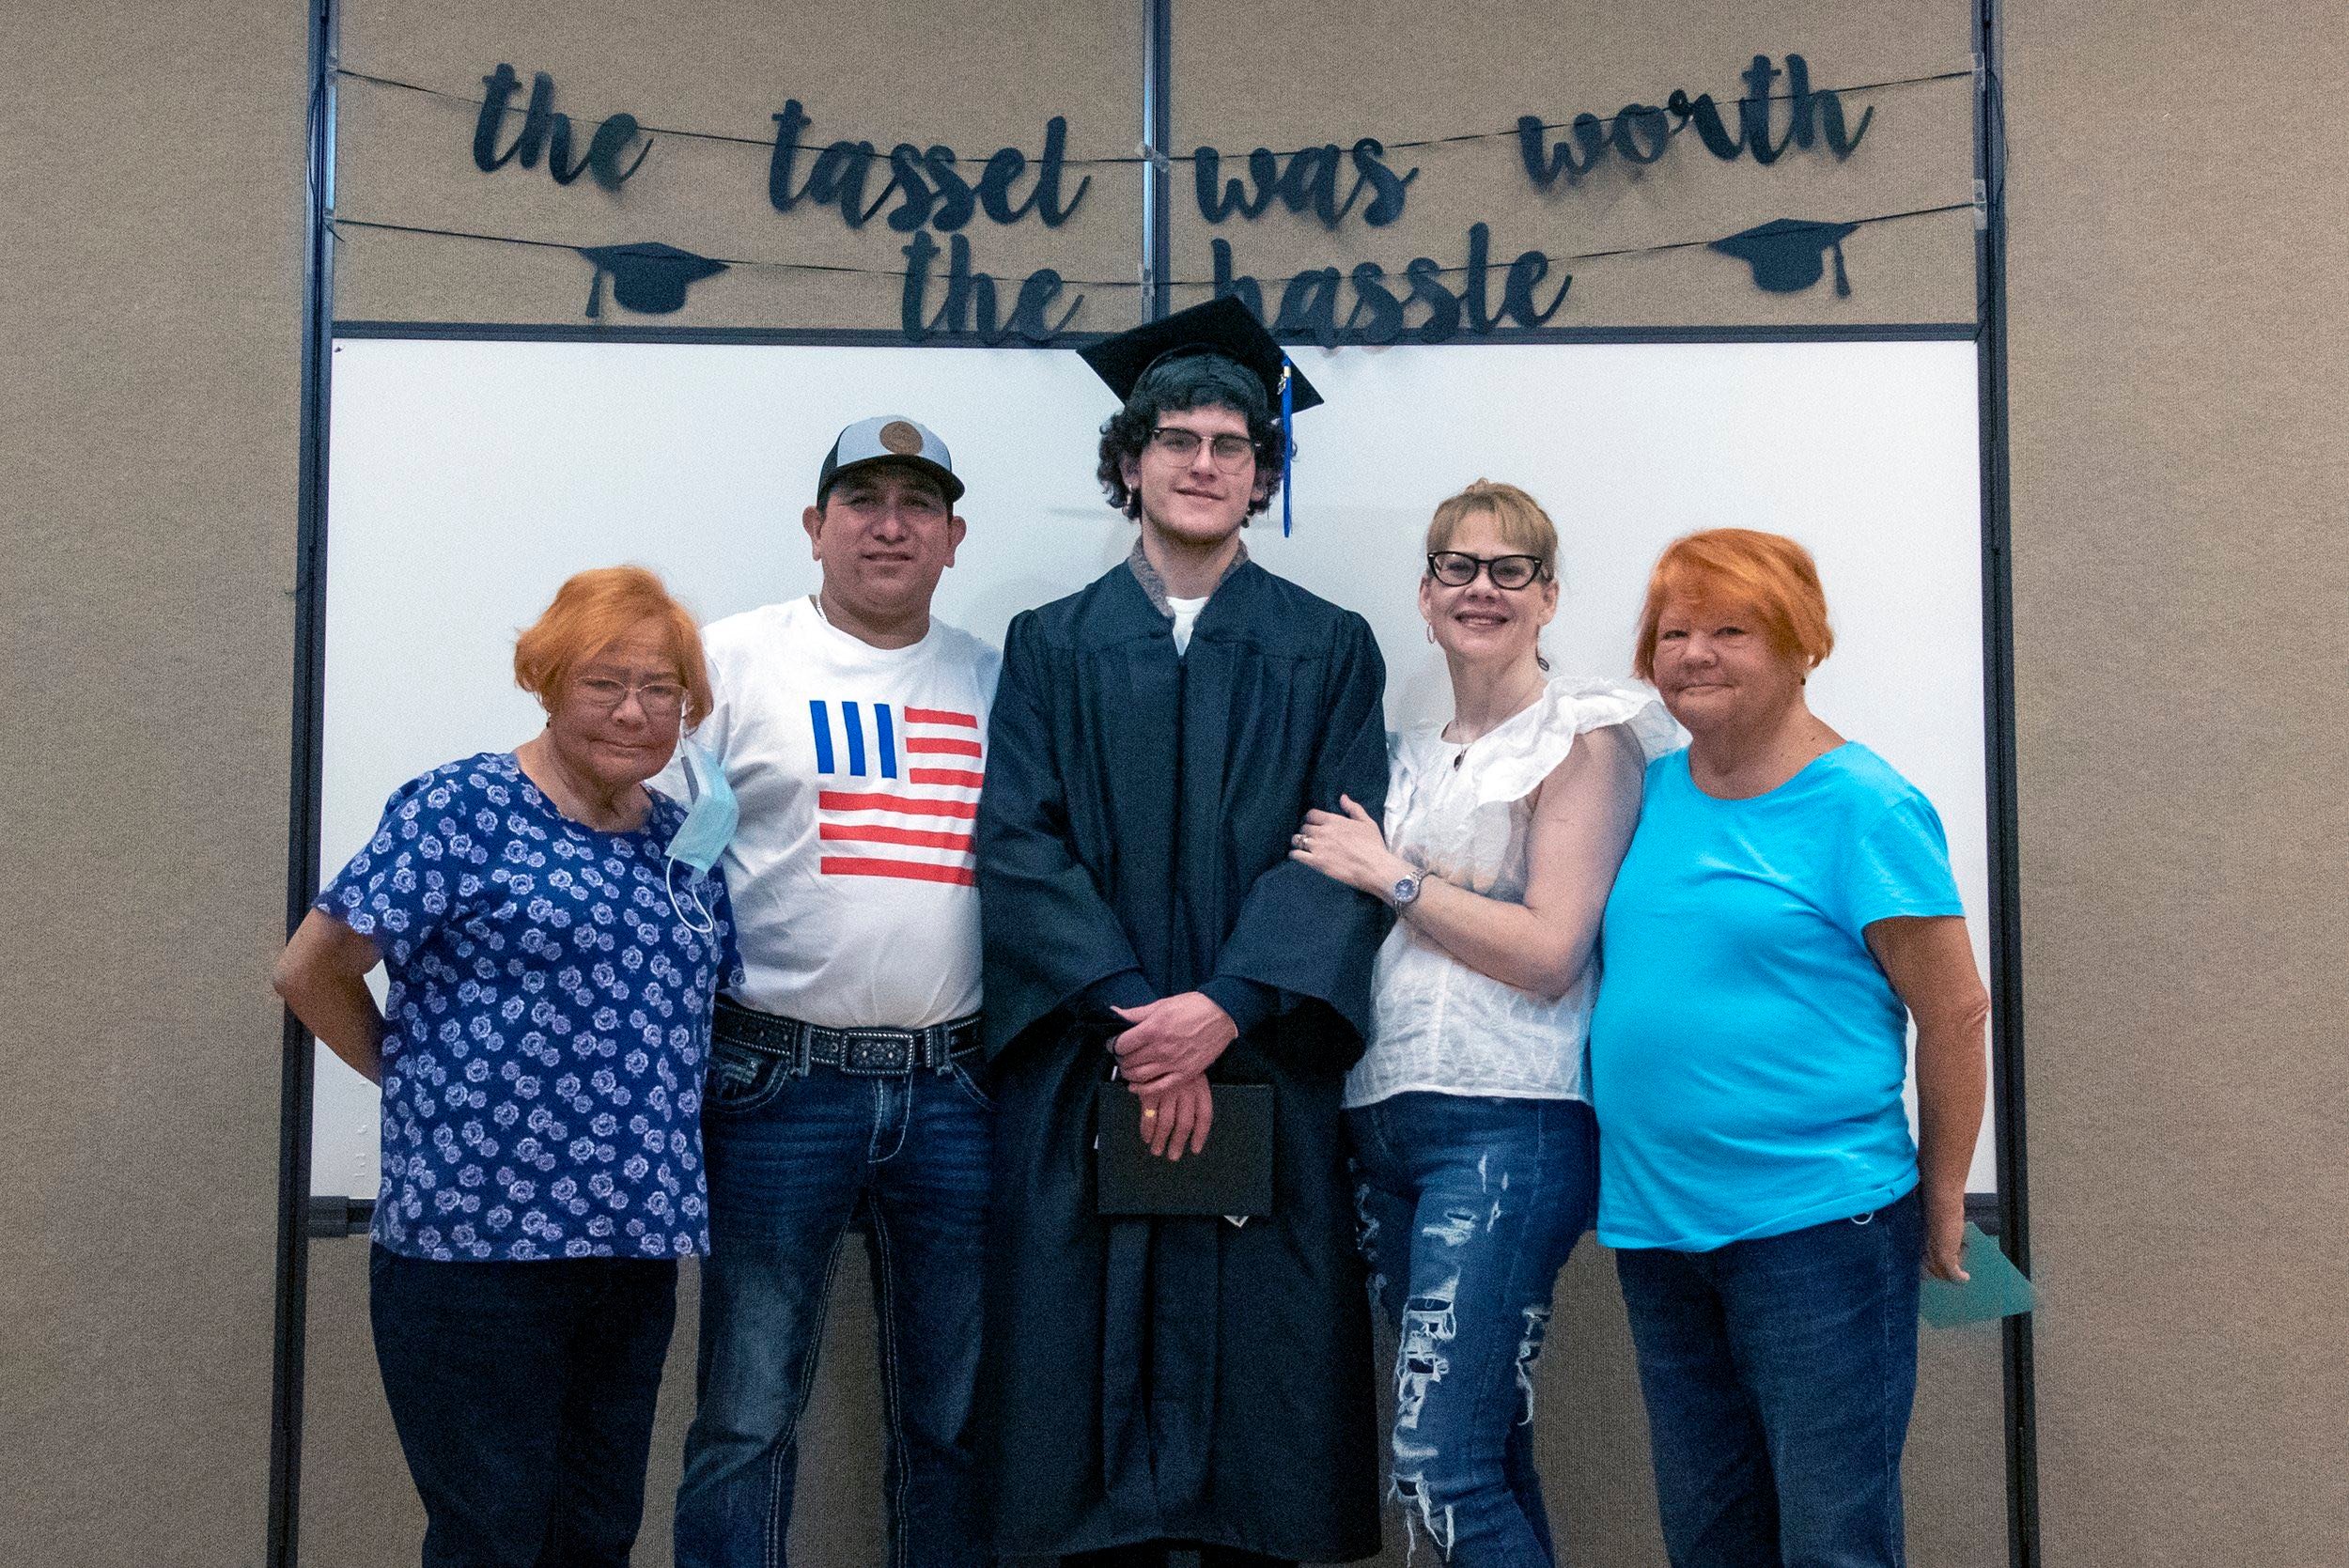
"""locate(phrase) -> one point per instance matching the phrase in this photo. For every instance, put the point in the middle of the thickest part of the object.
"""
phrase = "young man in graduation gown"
(1155, 1381)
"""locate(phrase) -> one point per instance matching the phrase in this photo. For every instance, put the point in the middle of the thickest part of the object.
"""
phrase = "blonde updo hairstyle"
(1524, 527)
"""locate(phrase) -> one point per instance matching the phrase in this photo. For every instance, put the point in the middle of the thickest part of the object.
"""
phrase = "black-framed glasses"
(1457, 569)
(660, 699)
(1229, 452)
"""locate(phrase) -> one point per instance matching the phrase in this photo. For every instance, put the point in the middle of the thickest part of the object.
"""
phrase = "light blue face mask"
(709, 827)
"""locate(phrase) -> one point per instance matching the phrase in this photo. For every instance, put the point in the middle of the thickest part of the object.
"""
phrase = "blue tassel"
(1288, 445)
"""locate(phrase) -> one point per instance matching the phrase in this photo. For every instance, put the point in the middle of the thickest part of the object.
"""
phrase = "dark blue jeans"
(792, 1157)
(523, 1393)
(1469, 1206)
(1777, 1375)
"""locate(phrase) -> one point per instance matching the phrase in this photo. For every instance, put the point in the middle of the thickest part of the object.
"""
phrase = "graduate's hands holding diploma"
(1174, 1038)
(1349, 848)
(1164, 1054)
(1176, 1119)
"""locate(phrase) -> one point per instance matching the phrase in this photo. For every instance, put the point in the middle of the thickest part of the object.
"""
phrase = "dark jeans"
(523, 1397)
(792, 1157)
(1469, 1206)
(1777, 1375)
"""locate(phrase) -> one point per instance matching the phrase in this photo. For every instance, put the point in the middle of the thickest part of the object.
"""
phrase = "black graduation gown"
(1176, 1378)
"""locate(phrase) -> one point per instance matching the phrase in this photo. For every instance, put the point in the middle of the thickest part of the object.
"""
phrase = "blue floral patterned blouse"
(546, 1026)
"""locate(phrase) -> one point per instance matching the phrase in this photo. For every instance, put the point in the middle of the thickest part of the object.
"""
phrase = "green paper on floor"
(1997, 1288)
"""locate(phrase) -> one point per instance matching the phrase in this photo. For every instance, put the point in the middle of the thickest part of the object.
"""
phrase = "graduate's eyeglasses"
(660, 699)
(1230, 452)
(1455, 569)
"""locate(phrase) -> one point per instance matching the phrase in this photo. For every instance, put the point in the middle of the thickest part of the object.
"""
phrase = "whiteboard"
(467, 479)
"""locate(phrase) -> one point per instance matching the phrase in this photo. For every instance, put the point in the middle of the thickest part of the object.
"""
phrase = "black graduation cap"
(1785, 252)
(647, 276)
(1221, 326)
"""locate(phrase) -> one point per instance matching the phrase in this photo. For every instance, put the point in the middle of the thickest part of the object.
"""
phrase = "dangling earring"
(1429, 627)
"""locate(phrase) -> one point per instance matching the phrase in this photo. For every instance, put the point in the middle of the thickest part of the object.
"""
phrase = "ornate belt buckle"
(876, 1053)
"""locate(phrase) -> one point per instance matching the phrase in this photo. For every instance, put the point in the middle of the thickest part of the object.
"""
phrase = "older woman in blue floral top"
(540, 1054)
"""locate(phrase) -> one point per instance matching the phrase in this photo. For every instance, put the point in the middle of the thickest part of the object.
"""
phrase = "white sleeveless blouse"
(1464, 814)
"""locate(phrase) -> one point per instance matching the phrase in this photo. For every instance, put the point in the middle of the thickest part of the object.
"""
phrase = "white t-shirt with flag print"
(858, 768)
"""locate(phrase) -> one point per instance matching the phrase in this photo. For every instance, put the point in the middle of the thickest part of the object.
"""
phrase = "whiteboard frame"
(2003, 1212)
(297, 1220)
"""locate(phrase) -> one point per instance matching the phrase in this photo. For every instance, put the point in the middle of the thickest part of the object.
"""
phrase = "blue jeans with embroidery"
(1777, 1375)
(792, 1157)
(1469, 1206)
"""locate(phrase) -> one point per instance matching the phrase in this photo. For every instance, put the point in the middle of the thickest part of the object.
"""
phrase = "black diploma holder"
(1231, 1176)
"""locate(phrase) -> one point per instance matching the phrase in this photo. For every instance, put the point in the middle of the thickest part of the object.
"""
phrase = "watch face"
(1405, 889)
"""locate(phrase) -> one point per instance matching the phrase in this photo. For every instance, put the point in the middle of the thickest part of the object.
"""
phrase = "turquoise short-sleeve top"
(1746, 1052)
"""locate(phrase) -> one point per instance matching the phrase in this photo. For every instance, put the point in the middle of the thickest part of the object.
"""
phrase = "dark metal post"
(2006, 977)
(1158, 75)
(302, 846)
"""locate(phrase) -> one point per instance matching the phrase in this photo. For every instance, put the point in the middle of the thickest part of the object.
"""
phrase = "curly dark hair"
(1175, 387)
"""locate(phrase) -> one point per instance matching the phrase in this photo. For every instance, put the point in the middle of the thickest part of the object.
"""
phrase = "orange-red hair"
(592, 611)
(1769, 573)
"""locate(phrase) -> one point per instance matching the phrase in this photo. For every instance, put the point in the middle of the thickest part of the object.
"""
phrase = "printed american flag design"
(906, 793)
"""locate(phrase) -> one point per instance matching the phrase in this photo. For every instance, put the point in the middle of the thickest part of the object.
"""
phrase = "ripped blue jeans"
(1468, 1208)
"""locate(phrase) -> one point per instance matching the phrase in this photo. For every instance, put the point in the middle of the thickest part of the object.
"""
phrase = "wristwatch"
(1405, 889)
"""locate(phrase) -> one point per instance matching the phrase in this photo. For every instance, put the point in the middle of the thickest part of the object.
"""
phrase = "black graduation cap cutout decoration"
(1221, 326)
(1786, 253)
(647, 276)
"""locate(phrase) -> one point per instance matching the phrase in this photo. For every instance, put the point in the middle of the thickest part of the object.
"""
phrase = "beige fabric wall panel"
(151, 430)
(358, 1510)
(1391, 69)
(2181, 451)
(958, 73)
(148, 425)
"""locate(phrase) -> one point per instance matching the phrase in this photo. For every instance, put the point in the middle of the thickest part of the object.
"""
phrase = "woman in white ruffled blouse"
(1475, 1147)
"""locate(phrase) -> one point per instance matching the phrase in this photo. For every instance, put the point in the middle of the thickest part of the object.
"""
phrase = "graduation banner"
(924, 216)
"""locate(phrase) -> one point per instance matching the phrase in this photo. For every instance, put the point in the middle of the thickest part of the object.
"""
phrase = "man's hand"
(1177, 1118)
(1944, 1238)
(1172, 1039)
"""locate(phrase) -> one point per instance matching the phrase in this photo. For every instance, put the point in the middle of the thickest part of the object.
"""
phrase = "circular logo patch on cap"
(901, 437)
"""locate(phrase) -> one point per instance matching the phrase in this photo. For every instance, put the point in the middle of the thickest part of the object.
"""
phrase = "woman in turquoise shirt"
(1786, 908)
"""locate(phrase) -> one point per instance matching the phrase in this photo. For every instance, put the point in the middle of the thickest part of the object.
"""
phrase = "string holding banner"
(1789, 231)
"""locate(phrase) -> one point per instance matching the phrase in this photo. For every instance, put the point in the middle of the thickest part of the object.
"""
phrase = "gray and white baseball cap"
(888, 438)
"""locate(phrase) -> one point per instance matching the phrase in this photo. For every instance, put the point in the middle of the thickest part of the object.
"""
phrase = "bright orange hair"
(592, 611)
(1769, 573)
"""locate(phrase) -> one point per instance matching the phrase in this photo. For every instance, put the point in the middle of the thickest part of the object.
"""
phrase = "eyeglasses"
(1230, 452)
(1455, 569)
(660, 699)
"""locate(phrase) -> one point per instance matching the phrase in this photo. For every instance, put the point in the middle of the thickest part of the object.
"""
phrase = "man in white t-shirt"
(852, 728)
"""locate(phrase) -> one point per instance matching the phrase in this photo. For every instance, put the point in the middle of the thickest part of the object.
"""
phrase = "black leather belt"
(866, 1052)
